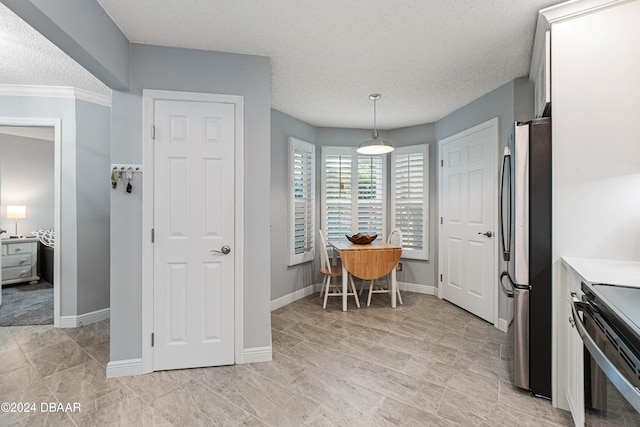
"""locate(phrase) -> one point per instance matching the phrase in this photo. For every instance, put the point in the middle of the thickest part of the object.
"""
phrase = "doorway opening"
(30, 214)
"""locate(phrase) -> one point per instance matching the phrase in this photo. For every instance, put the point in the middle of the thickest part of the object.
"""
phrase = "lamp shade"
(16, 212)
(375, 146)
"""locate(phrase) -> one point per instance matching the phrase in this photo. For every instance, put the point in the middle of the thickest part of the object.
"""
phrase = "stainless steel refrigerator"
(525, 207)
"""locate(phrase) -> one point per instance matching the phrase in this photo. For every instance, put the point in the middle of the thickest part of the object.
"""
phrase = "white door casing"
(195, 309)
(468, 210)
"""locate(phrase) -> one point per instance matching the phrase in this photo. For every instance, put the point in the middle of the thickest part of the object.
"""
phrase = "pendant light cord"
(375, 131)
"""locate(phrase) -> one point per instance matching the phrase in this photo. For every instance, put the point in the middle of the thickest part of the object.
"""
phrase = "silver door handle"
(488, 233)
(223, 250)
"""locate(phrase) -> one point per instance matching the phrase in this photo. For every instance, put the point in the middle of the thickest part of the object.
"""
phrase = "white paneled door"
(194, 230)
(468, 210)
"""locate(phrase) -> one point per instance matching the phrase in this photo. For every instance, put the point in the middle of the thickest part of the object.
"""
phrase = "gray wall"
(154, 67)
(416, 271)
(285, 279)
(93, 135)
(126, 231)
(26, 177)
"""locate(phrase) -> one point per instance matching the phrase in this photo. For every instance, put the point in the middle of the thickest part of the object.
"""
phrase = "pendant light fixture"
(375, 145)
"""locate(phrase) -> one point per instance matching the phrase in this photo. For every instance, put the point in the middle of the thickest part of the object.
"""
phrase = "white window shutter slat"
(337, 198)
(410, 197)
(371, 195)
(353, 193)
(302, 201)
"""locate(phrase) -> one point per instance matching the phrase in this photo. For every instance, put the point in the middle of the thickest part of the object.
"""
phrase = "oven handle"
(628, 390)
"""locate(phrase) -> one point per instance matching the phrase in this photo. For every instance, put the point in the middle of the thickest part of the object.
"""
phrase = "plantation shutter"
(371, 196)
(302, 201)
(353, 193)
(337, 193)
(409, 199)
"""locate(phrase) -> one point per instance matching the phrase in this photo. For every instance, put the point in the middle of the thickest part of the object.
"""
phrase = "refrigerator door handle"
(521, 339)
(506, 187)
(509, 292)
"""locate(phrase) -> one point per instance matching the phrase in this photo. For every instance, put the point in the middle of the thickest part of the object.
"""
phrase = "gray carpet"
(25, 304)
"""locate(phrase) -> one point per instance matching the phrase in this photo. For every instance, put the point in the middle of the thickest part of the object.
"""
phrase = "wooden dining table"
(367, 262)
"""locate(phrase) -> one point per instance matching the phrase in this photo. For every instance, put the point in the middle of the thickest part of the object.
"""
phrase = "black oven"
(605, 317)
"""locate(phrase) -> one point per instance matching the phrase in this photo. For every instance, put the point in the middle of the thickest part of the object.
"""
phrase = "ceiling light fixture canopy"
(375, 145)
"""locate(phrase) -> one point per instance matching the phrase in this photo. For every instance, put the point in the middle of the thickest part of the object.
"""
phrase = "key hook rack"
(123, 173)
(123, 168)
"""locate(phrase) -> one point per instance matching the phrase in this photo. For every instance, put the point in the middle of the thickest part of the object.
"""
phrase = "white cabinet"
(19, 260)
(570, 348)
(574, 362)
(541, 75)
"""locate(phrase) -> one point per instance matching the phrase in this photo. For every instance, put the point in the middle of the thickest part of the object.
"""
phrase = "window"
(353, 193)
(410, 199)
(302, 158)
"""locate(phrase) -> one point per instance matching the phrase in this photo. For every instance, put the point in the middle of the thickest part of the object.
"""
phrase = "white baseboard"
(420, 289)
(503, 325)
(124, 368)
(257, 354)
(299, 294)
(293, 297)
(84, 319)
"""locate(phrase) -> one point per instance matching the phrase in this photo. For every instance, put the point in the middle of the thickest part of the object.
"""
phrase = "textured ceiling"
(426, 57)
(27, 58)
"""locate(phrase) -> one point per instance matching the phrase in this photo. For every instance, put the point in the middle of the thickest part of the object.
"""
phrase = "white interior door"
(468, 189)
(193, 217)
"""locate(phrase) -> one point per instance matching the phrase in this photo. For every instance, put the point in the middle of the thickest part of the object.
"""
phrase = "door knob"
(3, 231)
(223, 250)
(488, 233)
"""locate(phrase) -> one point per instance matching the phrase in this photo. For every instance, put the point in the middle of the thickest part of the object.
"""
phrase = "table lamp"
(16, 212)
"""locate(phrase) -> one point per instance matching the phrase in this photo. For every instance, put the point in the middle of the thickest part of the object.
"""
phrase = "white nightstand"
(19, 260)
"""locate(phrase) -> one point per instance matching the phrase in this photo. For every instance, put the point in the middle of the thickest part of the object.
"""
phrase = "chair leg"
(327, 279)
(361, 287)
(355, 294)
(370, 292)
(397, 289)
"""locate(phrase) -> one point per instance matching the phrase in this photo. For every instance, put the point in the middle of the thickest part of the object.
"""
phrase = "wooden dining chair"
(395, 238)
(328, 271)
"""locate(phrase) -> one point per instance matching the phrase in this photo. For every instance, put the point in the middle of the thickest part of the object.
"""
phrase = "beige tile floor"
(425, 363)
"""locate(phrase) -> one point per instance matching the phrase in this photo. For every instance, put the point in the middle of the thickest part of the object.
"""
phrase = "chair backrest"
(324, 256)
(395, 237)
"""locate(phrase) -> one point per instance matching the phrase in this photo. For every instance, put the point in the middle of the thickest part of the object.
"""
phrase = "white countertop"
(613, 272)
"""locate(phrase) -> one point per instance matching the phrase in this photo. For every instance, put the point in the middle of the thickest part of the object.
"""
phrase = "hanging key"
(129, 177)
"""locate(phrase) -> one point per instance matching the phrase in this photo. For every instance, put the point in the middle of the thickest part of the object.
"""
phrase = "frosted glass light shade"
(375, 146)
(16, 212)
